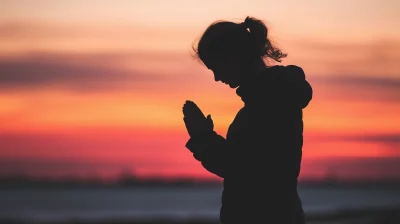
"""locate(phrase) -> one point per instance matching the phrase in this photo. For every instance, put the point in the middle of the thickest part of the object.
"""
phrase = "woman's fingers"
(188, 126)
(192, 111)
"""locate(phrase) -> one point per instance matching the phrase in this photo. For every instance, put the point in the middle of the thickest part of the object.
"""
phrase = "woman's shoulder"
(288, 72)
(279, 82)
(274, 84)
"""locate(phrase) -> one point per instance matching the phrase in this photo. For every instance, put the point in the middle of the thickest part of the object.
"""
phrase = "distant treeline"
(125, 180)
(130, 180)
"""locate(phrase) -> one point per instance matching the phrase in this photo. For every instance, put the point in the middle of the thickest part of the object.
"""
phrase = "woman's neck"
(260, 66)
(256, 68)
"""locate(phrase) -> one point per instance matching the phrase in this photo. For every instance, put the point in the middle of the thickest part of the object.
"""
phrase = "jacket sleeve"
(245, 152)
(263, 146)
(211, 150)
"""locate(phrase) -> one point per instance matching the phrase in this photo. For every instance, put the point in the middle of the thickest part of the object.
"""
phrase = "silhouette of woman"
(260, 158)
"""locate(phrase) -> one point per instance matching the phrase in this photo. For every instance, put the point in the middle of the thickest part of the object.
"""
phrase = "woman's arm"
(211, 150)
(215, 152)
(261, 146)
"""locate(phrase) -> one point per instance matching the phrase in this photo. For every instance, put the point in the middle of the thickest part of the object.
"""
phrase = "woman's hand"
(195, 121)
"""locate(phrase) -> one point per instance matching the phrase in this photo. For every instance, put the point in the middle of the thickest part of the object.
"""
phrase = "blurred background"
(91, 94)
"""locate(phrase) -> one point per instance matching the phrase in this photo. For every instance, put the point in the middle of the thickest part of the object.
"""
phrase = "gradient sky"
(95, 87)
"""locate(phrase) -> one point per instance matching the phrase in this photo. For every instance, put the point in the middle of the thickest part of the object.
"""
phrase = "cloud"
(356, 56)
(26, 36)
(391, 140)
(356, 87)
(28, 30)
(379, 167)
(44, 165)
(338, 47)
(394, 138)
(108, 149)
(76, 73)
(365, 81)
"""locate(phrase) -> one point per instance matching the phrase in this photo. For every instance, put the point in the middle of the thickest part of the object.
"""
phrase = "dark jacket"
(261, 155)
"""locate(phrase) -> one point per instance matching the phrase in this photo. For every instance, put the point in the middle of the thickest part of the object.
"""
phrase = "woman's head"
(232, 50)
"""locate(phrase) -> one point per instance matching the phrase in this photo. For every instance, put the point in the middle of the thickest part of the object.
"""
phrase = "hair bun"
(246, 22)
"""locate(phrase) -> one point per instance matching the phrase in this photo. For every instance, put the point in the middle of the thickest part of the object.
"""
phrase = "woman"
(260, 158)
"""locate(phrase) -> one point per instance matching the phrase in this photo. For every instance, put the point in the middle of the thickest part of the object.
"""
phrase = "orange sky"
(94, 87)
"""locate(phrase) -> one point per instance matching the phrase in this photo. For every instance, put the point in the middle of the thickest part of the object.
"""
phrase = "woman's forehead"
(209, 62)
(215, 61)
(212, 63)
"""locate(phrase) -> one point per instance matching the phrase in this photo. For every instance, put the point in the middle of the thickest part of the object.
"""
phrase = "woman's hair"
(249, 38)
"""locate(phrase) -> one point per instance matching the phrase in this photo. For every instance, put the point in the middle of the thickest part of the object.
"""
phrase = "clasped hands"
(195, 121)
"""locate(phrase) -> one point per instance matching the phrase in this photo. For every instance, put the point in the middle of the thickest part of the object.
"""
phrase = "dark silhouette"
(260, 158)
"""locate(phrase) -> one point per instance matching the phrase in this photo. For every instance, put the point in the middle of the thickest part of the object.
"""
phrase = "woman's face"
(228, 71)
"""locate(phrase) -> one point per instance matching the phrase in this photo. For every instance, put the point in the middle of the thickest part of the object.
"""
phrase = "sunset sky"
(94, 87)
